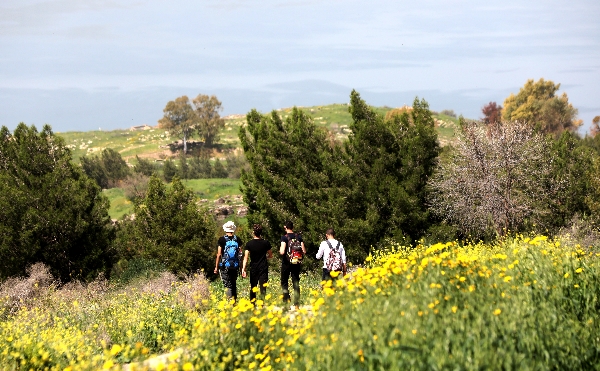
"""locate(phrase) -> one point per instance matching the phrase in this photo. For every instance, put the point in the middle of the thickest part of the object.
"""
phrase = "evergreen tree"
(184, 169)
(107, 169)
(50, 212)
(169, 227)
(169, 170)
(200, 167)
(290, 175)
(144, 166)
(219, 170)
(389, 164)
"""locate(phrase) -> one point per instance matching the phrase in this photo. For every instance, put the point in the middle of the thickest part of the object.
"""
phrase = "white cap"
(229, 227)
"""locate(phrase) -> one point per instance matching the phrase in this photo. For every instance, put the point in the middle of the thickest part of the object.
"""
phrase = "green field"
(209, 189)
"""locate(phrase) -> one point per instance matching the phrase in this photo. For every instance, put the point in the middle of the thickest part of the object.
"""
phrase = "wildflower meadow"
(526, 303)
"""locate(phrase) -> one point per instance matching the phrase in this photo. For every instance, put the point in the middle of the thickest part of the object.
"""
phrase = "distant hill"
(154, 143)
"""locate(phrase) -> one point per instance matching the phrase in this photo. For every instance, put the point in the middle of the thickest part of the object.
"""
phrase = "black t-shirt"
(286, 238)
(258, 254)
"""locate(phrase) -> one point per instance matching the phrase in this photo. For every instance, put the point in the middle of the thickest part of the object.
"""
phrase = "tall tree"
(291, 175)
(209, 121)
(492, 113)
(50, 211)
(537, 104)
(389, 164)
(179, 119)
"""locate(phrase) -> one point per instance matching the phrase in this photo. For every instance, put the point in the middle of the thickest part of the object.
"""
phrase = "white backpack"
(334, 260)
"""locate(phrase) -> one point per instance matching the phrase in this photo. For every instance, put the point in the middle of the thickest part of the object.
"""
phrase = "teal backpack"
(231, 257)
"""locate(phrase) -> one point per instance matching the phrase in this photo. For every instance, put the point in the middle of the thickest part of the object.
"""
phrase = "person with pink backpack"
(334, 256)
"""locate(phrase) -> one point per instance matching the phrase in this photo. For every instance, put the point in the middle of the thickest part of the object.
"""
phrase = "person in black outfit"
(287, 268)
(228, 274)
(259, 251)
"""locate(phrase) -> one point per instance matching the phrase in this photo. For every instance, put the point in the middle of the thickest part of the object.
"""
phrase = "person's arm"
(245, 262)
(282, 248)
(269, 254)
(303, 248)
(344, 269)
(218, 258)
(321, 251)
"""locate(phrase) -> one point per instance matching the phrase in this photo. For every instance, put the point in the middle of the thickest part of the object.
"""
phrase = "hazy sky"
(89, 64)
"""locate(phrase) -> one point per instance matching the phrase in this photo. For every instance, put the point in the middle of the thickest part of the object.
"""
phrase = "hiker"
(228, 259)
(333, 254)
(292, 252)
(258, 250)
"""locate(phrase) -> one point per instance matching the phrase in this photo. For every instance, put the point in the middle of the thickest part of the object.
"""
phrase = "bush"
(169, 227)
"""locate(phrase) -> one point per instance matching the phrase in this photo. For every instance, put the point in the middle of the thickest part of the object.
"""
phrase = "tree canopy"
(179, 119)
(537, 104)
(210, 122)
(50, 212)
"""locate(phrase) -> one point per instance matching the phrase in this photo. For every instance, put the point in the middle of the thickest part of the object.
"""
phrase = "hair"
(330, 232)
(289, 225)
(258, 229)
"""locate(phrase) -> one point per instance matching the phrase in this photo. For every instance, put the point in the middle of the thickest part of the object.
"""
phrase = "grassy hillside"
(153, 142)
(206, 189)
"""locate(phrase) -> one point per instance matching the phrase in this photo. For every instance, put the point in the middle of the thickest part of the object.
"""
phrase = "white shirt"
(324, 251)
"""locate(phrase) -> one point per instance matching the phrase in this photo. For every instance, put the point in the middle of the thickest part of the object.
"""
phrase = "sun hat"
(229, 227)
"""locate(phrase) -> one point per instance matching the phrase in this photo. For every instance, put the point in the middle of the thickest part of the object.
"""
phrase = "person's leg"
(285, 277)
(224, 273)
(263, 278)
(326, 275)
(295, 271)
(254, 279)
(233, 274)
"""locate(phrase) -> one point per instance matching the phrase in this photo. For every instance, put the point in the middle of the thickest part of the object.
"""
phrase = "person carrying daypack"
(259, 251)
(292, 251)
(333, 254)
(228, 259)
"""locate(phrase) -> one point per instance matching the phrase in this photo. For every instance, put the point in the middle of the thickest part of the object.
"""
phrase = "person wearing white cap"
(228, 259)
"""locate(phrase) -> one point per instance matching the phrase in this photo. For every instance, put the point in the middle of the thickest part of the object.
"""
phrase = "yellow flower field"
(522, 303)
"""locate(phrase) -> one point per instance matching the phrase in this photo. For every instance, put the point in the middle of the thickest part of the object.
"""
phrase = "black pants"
(294, 271)
(229, 277)
(258, 278)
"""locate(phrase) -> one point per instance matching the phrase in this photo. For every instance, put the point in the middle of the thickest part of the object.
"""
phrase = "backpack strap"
(289, 246)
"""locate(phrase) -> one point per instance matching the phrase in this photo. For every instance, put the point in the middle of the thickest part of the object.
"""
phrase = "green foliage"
(200, 167)
(388, 167)
(169, 227)
(290, 176)
(219, 171)
(144, 166)
(125, 272)
(50, 211)
(169, 170)
(179, 119)
(209, 121)
(537, 104)
(107, 170)
(571, 169)
(370, 188)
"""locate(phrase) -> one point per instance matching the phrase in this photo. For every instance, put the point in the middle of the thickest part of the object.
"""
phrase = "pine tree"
(390, 163)
(50, 212)
(290, 176)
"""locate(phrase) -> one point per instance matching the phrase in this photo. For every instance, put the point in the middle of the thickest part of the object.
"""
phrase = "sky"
(108, 64)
